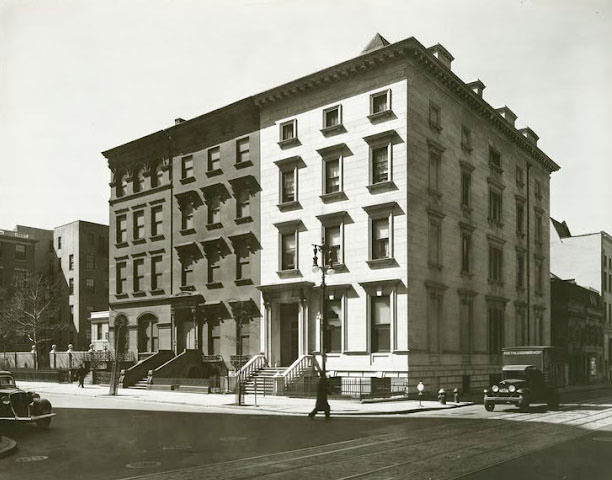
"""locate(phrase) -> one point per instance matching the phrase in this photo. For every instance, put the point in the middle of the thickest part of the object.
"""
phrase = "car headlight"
(511, 388)
(6, 400)
(495, 388)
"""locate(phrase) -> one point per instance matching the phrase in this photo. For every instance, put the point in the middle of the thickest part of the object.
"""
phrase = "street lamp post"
(420, 388)
(326, 268)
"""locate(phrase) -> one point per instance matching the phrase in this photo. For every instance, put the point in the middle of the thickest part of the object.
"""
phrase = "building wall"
(9, 262)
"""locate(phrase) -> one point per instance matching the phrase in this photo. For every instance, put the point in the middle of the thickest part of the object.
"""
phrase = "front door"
(288, 333)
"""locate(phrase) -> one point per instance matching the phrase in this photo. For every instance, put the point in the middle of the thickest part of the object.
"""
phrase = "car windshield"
(6, 381)
(519, 374)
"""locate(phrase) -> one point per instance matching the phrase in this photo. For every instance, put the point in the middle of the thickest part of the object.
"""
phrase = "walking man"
(322, 405)
(81, 372)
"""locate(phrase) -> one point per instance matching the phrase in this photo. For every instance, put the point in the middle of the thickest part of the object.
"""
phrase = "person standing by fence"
(81, 373)
(322, 404)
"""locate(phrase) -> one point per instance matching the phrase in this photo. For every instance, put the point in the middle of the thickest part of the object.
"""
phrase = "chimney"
(529, 134)
(442, 54)
(508, 114)
(178, 120)
(477, 87)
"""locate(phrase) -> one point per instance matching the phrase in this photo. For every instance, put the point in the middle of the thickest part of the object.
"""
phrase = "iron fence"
(347, 387)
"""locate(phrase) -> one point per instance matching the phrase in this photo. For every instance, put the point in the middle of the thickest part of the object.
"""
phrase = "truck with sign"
(531, 374)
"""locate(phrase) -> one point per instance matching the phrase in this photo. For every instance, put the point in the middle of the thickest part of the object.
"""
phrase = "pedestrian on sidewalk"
(322, 405)
(81, 372)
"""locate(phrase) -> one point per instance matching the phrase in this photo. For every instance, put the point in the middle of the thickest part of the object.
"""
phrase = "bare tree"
(32, 309)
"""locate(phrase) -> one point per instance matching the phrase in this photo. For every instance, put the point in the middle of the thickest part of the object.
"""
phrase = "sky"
(80, 77)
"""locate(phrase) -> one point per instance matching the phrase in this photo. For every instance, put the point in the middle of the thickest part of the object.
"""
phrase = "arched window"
(147, 334)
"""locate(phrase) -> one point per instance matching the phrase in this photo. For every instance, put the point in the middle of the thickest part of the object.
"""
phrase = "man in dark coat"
(322, 405)
(82, 372)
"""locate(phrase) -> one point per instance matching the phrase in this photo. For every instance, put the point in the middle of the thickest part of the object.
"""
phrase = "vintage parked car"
(521, 385)
(17, 405)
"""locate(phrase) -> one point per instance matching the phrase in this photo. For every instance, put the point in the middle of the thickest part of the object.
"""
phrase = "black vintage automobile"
(521, 385)
(17, 405)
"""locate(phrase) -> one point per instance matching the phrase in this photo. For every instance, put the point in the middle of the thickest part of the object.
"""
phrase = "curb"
(7, 446)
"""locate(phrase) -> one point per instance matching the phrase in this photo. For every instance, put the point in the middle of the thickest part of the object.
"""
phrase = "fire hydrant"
(456, 395)
(442, 396)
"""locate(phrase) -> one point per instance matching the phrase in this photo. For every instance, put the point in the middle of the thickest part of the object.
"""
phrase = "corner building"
(437, 206)
(184, 240)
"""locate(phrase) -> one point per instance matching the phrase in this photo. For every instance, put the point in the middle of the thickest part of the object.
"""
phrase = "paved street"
(155, 443)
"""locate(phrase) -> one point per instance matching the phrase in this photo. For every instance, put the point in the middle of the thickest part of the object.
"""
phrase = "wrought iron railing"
(238, 361)
(249, 368)
(212, 358)
(297, 369)
(346, 387)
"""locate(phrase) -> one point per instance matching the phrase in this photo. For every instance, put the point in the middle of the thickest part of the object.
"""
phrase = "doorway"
(288, 316)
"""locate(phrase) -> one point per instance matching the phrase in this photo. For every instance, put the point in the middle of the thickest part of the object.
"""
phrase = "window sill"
(340, 268)
(214, 226)
(214, 173)
(333, 130)
(241, 220)
(121, 245)
(213, 285)
(139, 293)
(187, 288)
(382, 186)
(380, 115)
(245, 164)
(121, 295)
(187, 231)
(289, 273)
(187, 180)
(157, 291)
(382, 263)
(294, 205)
(139, 241)
(289, 142)
(156, 238)
(333, 197)
(243, 281)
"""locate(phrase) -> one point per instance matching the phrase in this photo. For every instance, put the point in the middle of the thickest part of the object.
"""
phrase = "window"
(156, 221)
(139, 225)
(332, 177)
(138, 274)
(495, 160)
(435, 243)
(90, 261)
(520, 180)
(243, 261)
(288, 131)
(496, 257)
(539, 277)
(214, 210)
(380, 164)
(121, 277)
(99, 331)
(466, 139)
(121, 231)
(466, 252)
(380, 102)
(157, 175)
(380, 323)
(496, 327)
(243, 204)
(435, 117)
(214, 338)
(537, 189)
(333, 317)
(71, 313)
(380, 238)
(435, 159)
(59, 243)
(187, 216)
(466, 188)
(71, 286)
(187, 167)
(214, 159)
(120, 185)
(213, 269)
(20, 277)
(466, 316)
(333, 240)
(538, 228)
(138, 180)
(520, 270)
(288, 251)
(495, 207)
(243, 154)
(20, 252)
(186, 272)
(90, 285)
(520, 218)
(156, 272)
(332, 117)
(288, 193)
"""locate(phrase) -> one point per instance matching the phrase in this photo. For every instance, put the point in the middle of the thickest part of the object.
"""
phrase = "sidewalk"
(226, 403)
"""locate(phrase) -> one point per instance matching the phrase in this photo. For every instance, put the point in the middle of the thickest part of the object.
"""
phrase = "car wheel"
(44, 408)
(489, 406)
(523, 404)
